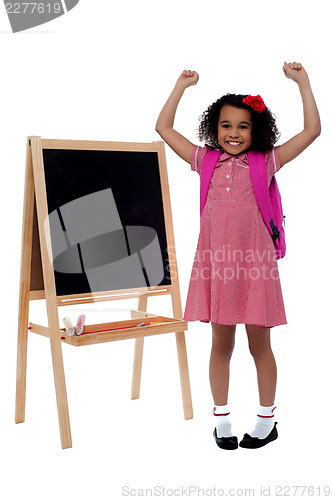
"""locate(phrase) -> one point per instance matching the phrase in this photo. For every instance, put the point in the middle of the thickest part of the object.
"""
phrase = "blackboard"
(97, 226)
(106, 220)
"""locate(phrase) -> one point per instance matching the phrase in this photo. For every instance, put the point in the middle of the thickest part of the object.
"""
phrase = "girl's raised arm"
(311, 130)
(164, 125)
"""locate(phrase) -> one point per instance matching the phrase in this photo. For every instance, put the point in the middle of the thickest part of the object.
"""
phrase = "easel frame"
(35, 200)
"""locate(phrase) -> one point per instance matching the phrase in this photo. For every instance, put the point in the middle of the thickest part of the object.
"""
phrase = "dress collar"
(242, 156)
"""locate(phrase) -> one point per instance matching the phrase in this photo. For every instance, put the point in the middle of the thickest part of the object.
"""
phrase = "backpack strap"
(209, 162)
(260, 186)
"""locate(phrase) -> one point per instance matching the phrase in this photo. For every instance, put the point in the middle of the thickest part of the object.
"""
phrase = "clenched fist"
(187, 78)
(295, 71)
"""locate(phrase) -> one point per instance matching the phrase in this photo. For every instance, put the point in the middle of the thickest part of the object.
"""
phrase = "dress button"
(230, 163)
(227, 189)
(228, 176)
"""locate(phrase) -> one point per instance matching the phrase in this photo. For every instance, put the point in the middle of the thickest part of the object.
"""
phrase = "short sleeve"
(197, 158)
(272, 162)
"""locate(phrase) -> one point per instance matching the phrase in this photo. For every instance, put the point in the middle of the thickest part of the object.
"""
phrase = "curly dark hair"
(264, 129)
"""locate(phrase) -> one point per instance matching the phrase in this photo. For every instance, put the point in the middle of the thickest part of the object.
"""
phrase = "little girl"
(235, 275)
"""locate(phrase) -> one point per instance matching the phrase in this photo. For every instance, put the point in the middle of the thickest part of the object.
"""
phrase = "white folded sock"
(223, 421)
(264, 423)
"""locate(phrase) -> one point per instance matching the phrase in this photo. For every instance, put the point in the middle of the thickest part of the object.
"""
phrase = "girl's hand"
(165, 122)
(295, 71)
(311, 126)
(187, 78)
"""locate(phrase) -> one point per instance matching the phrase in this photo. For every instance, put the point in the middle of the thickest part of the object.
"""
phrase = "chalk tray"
(118, 330)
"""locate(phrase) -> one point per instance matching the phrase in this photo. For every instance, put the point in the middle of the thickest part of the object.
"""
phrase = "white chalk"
(80, 324)
(70, 330)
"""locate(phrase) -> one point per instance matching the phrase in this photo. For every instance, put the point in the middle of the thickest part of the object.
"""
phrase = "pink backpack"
(268, 197)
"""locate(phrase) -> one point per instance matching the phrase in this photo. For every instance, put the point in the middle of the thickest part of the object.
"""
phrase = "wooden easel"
(37, 282)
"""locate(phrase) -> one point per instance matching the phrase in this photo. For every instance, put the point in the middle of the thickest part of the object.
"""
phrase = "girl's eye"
(224, 125)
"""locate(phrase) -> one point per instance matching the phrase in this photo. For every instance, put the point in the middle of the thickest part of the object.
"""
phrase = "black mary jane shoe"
(226, 443)
(255, 442)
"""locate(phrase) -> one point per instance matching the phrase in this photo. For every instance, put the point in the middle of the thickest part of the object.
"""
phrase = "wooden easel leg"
(50, 292)
(182, 355)
(176, 299)
(22, 350)
(23, 316)
(137, 368)
(138, 356)
(184, 375)
(61, 393)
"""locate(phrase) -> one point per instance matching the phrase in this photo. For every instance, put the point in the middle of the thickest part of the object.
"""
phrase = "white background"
(103, 72)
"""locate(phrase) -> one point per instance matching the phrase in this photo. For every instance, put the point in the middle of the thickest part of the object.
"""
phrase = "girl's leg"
(260, 349)
(223, 340)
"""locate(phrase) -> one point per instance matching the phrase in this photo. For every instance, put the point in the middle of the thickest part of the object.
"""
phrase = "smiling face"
(234, 129)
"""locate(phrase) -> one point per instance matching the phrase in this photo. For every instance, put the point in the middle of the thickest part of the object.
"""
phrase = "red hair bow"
(255, 101)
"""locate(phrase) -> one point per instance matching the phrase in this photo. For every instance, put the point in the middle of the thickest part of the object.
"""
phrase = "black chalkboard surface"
(106, 220)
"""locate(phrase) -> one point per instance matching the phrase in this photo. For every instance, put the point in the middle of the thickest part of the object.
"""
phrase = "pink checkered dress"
(235, 277)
